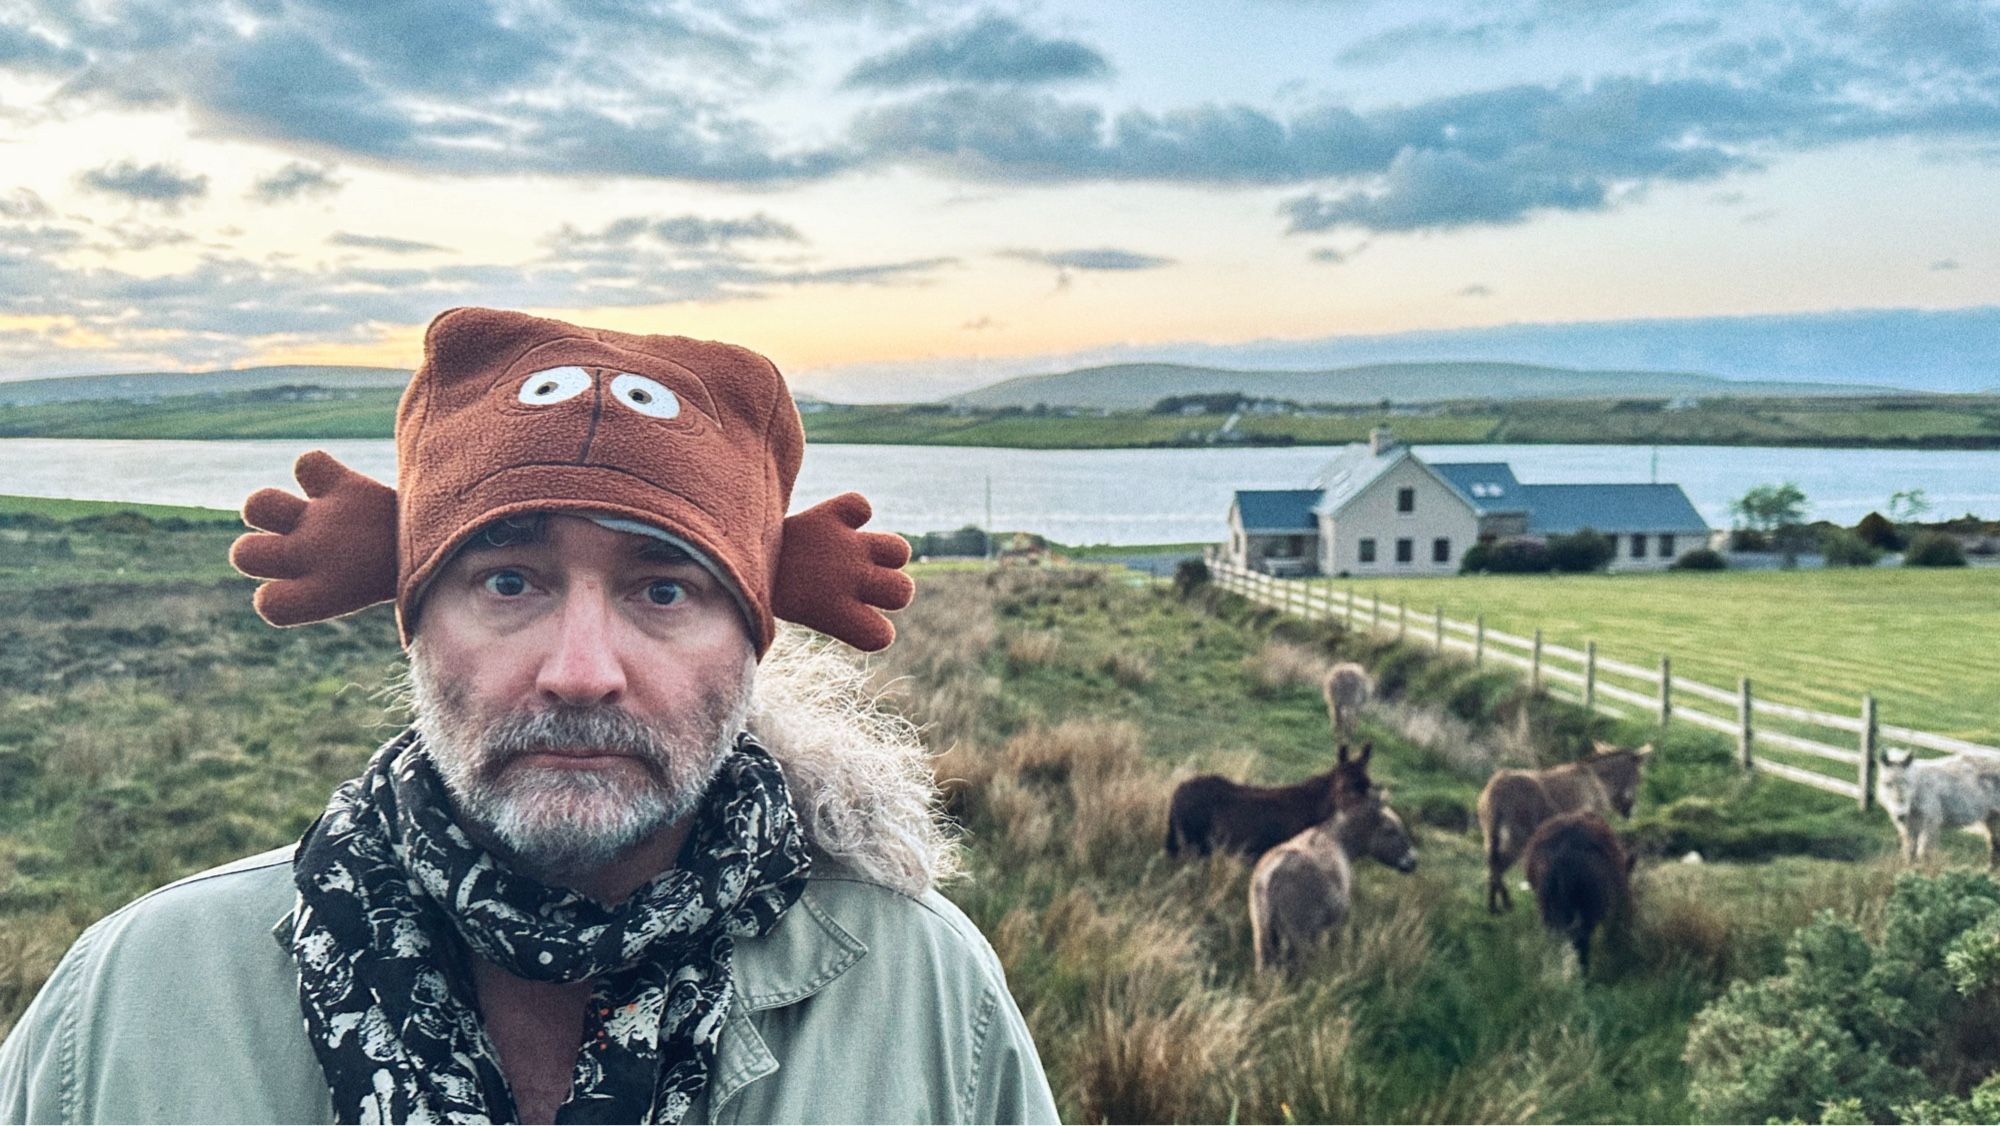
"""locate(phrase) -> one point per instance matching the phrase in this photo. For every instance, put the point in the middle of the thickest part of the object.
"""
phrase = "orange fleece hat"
(512, 413)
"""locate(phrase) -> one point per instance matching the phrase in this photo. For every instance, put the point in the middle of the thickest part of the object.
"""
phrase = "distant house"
(1378, 509)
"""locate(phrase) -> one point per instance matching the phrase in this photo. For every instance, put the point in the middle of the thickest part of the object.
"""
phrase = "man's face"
(576, 688)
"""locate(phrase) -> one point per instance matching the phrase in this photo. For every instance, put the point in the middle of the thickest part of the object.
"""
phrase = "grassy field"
(1941, 421)
(150, 726)
(1918, 638)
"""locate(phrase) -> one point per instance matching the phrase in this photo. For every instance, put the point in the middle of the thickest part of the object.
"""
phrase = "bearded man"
(617, 870)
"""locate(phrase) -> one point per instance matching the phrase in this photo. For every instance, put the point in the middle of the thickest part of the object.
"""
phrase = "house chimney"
(1381, 441)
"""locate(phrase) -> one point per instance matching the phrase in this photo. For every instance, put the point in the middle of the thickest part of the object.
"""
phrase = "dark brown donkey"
(1580, 875)
(1211, 813)
(1516, 802)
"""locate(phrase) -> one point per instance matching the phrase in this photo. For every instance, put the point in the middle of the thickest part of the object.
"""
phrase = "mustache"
(607, 729)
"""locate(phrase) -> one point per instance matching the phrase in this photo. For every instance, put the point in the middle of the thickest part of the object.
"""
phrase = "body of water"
(1074, 496)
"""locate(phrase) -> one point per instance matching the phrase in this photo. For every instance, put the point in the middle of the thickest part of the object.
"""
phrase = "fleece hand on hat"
(511, 414)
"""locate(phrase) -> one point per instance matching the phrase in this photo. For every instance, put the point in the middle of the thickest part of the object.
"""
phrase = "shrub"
(1882, 1024)
(1876, 530)
(1700, 559)
(1748, 539)
(1844, 548)
(1508, 557)
(1191, 574)
(1934, 549)
(1581, 551)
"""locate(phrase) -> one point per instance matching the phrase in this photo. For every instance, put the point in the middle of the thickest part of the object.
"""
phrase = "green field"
(1940, 421)
(151, 726)
(1920, 639)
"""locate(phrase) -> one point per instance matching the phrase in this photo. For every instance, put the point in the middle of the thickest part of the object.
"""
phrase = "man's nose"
(583, 667)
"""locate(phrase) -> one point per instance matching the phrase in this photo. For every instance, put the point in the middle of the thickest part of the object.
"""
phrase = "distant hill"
(1138, 386)
(144, 385)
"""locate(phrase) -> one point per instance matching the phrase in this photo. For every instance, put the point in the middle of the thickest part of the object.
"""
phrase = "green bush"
(1700, 559)
(1885, 1025)
(1190, 575)
(1508, 557)
(1876, 530)
(1934, 549)
(1844, 548)
(1582, 551)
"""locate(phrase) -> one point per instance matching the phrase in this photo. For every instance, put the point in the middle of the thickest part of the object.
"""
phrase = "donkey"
(1580, 874)
(1516, 802)
(1926, 798)
(1299, 891)
(1348, 686)
(1211, 812)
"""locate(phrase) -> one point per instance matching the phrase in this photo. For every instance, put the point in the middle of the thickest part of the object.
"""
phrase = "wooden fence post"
(1478, 640)
(1402, 620)
(1666, 690)
(1535, 668)
(1440, 629)
(1745, 735)
(1375, 615)
(1870, 732)
(1350, 609)
(1590, 674)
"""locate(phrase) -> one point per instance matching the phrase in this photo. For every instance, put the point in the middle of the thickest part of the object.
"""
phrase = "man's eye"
(506, 584)
(665, 592)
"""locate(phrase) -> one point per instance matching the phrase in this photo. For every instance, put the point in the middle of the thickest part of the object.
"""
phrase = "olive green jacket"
(862, 1005)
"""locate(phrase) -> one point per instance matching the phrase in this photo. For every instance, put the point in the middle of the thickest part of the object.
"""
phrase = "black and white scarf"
(393, 896)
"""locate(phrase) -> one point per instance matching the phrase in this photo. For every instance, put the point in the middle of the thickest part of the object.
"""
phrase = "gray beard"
(557, 825)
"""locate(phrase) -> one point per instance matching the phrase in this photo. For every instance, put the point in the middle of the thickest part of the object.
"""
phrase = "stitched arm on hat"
(837, 579)
(330, 554)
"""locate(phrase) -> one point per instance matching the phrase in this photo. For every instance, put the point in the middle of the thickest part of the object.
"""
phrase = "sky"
(899, 199)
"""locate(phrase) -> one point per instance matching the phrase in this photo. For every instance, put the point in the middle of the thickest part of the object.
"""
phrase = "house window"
(1667, 547)
(1367, 551)
(1639, 546)
(1406, 550)
(1406, 499)
(1441, 550)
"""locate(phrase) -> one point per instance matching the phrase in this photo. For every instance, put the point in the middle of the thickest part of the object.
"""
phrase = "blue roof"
(1488, 486)
(1561, 509)
(1277, 509)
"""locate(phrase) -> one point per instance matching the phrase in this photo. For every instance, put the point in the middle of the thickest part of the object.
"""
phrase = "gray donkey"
(1299, 891)
(1926, 798)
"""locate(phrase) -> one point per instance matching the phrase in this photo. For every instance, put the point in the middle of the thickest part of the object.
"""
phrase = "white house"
(1378, 509)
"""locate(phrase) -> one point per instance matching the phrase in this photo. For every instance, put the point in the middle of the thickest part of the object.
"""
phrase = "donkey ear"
(1342, 757)
(1367, 752)
(1600, 747)
(1645, 751)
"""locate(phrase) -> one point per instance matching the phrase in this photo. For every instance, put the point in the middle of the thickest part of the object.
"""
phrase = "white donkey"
(1926, 798)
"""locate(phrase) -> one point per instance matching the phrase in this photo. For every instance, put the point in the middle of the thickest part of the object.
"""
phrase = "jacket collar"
(798, 958)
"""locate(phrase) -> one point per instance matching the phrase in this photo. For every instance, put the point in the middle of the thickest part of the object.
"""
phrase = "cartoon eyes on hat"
(554, 385)
(646, 396)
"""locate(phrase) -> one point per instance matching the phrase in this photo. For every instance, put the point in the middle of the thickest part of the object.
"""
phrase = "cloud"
(678, 231)
(32, 50)
(1097, 258)
(994, 50)
(473, 87)
(980, 324)
(1476, 290)
(226, 307)
(296, 180)
(159, 184)
(1430, 35)
(23, 203)
(383, 243)
(1945, 264)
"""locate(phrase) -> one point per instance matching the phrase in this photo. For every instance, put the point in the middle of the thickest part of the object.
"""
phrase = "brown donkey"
(1211, 812)
(1300, 890)
(1516, 802)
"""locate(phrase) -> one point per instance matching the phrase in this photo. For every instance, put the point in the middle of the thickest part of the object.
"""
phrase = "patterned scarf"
(394, 897)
